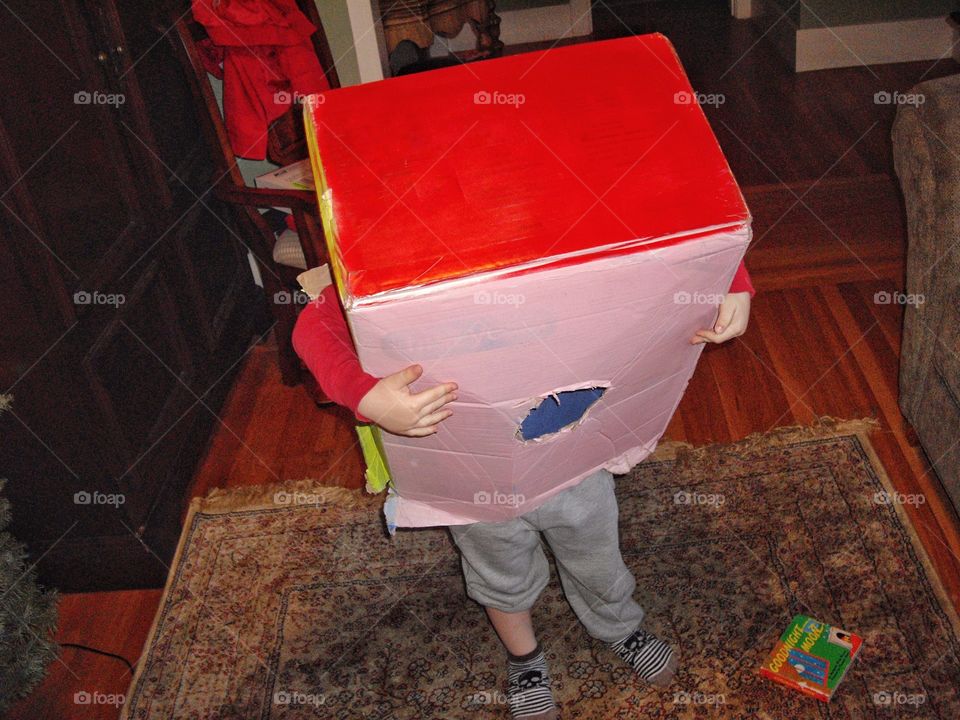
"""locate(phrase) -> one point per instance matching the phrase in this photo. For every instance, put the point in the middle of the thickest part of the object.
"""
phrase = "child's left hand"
(731, 320)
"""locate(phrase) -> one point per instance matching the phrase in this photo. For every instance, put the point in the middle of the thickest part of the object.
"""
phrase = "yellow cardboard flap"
(378, 474)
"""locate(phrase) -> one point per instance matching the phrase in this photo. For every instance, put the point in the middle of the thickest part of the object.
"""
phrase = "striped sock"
(528, 693)
(652, 659)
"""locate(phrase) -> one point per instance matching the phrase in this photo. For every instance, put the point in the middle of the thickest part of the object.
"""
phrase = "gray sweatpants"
(505, 566)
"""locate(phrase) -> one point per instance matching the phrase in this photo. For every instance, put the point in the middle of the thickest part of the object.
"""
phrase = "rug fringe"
(283, 494)
(824, 426)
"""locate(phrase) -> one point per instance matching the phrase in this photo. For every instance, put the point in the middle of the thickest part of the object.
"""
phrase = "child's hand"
(392, 406)
(731, 320)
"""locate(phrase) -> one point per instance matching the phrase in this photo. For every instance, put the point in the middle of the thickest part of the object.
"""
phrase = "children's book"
(296, 176)
(812, 657)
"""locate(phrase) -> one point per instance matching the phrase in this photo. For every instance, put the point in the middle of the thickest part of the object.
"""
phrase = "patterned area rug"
(291, 602)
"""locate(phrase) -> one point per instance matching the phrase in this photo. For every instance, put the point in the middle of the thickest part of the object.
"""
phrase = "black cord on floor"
(100, 652)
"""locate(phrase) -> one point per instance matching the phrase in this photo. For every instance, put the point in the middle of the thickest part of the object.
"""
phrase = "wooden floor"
(813, 155)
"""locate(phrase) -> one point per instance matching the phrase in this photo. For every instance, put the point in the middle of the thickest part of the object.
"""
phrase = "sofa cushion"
(946, 356)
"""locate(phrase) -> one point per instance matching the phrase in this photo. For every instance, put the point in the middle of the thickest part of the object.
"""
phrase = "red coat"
(268, 62)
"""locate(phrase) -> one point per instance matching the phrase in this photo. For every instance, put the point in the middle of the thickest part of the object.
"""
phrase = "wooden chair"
(279, 265)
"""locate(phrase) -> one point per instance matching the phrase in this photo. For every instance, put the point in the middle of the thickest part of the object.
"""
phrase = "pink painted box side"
(510, 339)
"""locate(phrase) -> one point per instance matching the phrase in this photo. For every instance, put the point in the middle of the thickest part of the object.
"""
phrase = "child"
(503, 563)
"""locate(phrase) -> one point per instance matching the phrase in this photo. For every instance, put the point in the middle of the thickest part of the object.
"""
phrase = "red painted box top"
(544, 157)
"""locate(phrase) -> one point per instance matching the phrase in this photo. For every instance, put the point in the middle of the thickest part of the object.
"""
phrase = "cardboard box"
(546, 222)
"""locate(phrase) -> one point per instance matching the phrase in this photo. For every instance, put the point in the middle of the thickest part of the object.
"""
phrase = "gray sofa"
(926, 149)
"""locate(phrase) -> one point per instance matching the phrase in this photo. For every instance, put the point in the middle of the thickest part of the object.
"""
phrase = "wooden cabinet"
(126, 298)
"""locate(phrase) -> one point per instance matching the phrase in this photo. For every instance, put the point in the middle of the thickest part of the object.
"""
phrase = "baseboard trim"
(873, 44)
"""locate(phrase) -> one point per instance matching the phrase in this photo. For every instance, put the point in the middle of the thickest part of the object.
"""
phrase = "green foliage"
(28, 614)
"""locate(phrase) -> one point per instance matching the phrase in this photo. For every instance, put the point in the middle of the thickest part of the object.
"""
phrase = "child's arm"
(734, 312)
(323, 342)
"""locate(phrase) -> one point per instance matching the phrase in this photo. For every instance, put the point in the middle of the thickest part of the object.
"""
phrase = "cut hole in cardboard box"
(557, 412)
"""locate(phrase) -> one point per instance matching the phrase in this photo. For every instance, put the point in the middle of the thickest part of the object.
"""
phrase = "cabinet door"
(126, 297)
(79, 227)
(76, 192)
(99, 338)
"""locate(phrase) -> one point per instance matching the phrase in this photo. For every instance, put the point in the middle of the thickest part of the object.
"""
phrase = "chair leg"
(279, 299)
(291, 371)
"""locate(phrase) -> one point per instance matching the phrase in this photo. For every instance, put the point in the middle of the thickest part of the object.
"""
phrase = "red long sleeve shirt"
(323, 342)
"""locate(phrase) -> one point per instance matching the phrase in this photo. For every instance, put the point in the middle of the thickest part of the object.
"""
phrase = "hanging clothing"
(262, 51)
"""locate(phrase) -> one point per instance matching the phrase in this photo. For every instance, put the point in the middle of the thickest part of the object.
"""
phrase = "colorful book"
(812, 657)
(296, 176)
